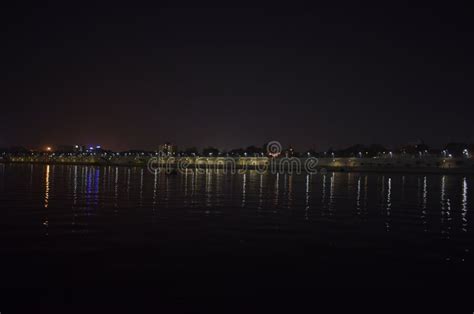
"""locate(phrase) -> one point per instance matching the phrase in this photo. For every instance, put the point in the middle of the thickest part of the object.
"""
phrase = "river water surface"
(65, 229)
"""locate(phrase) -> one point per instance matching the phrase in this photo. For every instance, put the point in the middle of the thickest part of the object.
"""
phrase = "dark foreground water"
(96, 237)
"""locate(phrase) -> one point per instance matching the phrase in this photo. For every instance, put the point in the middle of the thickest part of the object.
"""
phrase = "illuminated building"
(167, 149)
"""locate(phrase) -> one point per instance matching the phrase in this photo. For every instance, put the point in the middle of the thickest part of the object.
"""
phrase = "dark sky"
(131, 76)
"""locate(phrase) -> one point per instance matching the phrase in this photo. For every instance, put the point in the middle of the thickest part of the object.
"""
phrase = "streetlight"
(466, 153)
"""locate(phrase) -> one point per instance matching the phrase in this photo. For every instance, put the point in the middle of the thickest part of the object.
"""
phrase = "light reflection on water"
(78, 199)
(46, 187)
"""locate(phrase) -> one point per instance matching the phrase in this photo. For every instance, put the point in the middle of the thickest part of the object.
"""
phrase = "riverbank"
(393, 164)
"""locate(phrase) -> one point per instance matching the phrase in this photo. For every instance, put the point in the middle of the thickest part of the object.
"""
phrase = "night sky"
(127, 76)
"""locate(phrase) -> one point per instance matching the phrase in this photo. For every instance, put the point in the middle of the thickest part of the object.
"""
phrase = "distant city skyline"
(416, 147)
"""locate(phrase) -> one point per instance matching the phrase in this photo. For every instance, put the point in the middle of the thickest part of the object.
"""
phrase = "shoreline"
(434, 165)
